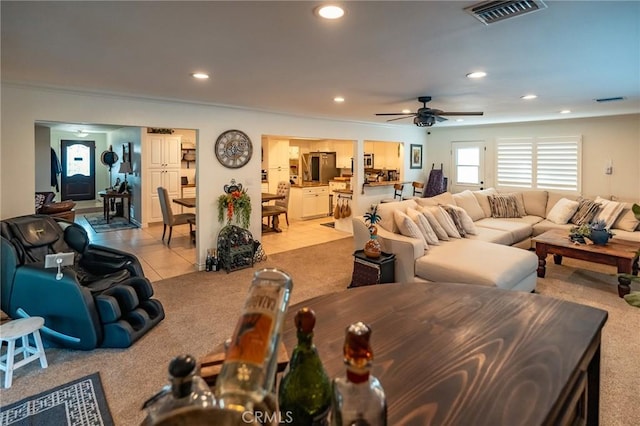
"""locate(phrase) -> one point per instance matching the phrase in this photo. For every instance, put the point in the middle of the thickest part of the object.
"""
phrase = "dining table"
(186, 202)
(275, 222)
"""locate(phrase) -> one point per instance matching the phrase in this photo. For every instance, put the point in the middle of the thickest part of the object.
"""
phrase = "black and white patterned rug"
(80, 402)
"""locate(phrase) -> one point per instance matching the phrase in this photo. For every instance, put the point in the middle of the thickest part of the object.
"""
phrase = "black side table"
(368, 271)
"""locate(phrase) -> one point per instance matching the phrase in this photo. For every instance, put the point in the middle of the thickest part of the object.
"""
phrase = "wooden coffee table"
(618, 253)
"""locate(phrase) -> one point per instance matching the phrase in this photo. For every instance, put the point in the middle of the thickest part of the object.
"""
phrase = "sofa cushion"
(496, 236)
(408, 227)
(609, 211)
(621, 235)
(385, 211)
(444, 198)
(504, 205)
(562, 211)
(547, 225)
(424, 226)
(475, 262)
(435, 225)
(469, 203)
(483, 199)
(535, 202)
(517, 229)
(587, 210)
(626, 220)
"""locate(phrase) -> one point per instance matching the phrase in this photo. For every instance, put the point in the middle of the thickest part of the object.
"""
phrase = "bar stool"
(397, 194)
(418, 188)
(21, 329)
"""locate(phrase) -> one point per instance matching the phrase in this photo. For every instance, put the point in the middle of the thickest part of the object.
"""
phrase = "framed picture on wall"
(416, 156)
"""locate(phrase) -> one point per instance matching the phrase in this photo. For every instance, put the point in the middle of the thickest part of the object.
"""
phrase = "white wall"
(603, 138)
(22, 106)
(43, 160)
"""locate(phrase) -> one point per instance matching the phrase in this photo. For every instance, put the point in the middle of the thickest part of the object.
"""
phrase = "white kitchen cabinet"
(264, 187)
(333, 186)
(344, 153)
(278, 163)
(161, 160)
(315, 201)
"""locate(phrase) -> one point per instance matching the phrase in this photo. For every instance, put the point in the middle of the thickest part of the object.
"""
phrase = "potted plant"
(598, 233)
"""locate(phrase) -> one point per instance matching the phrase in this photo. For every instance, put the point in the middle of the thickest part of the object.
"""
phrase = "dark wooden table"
(275, 225)
(460, 354)
(186, 202)
(113, 195)
(619, 253)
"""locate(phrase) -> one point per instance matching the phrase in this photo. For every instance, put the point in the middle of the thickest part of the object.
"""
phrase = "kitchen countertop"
(343, 191)
(188, 185)
(385, 183)
(309, 184)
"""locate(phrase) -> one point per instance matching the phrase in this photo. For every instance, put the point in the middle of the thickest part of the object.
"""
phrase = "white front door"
(468, 166)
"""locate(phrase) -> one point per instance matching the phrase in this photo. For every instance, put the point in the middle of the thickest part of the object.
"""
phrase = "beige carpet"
(202, 309)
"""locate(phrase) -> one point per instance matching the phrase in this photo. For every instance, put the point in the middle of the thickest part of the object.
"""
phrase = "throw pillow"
(627, 220)
(519, 202)
(435, 225)
(470, 204)
(503, 206)
(424, 226)
(465, 218)
(444, 198)
(39, 201)
(445, 221)
(483, 199)
(609, 212)
(587, 210)
(562, 211)
(408, 228)
(453, 213)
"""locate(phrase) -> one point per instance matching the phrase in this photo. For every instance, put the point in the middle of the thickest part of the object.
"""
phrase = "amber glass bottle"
(304, 395)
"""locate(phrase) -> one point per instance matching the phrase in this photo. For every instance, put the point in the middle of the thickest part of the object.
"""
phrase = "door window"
(468, 165)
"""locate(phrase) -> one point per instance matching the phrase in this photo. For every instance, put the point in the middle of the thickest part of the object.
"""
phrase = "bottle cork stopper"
(357, 349)
(305, 320)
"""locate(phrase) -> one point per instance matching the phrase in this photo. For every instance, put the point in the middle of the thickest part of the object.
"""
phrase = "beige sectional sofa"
(494, 254)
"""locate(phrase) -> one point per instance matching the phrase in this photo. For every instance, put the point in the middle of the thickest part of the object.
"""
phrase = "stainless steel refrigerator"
(319, 167)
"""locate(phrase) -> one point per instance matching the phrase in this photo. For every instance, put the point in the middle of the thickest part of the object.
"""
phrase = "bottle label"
(252, 335)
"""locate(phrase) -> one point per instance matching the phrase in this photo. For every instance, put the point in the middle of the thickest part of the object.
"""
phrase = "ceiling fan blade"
(440, 118)
(394, 113)
(461, 113)
(400, 118)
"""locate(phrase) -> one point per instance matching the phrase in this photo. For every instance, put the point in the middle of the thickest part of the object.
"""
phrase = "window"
(468, 160)
(539, 163)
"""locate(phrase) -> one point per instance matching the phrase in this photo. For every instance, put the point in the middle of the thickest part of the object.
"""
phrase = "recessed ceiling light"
(528, 97)
(565, 111)
(338, 99)
(459, 119)
(330, 11)
(477, 74)
(200, 75)
(406, 111)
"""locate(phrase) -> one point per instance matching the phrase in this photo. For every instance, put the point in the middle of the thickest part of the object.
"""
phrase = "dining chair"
(397, 194)
(169, 219)
(418, 188)
(280, 206)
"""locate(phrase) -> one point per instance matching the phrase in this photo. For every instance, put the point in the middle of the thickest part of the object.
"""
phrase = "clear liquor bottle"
(186, 391)
(248, 372)
(358, 398)
(304, 394)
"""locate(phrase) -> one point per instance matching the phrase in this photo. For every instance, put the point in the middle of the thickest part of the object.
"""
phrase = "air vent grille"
(617, 98)
(489, 12)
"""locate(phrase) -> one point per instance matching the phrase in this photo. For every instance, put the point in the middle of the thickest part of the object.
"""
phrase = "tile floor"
(161, 261)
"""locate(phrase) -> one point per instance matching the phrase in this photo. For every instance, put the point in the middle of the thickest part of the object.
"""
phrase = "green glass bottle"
(304, 395)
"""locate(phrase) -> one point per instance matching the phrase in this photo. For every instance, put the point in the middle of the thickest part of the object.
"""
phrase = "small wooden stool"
(21, 329)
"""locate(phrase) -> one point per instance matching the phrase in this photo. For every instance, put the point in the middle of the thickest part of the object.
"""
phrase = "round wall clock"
(233, 149)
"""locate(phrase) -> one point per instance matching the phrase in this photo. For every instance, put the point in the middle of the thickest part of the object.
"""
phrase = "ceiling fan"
(426, 117)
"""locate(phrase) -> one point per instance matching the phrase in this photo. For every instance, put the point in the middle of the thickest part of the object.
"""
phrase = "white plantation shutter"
(515, 162)
(551, 163)
(557, 165)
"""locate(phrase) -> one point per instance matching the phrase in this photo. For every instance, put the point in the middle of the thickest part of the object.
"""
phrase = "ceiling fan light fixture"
(477, 74)
(528, 97)
(565, 111)
(338, 99)
(330, 11)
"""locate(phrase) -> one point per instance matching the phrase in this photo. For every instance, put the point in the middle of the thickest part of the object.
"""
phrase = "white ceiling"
(380, 56)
